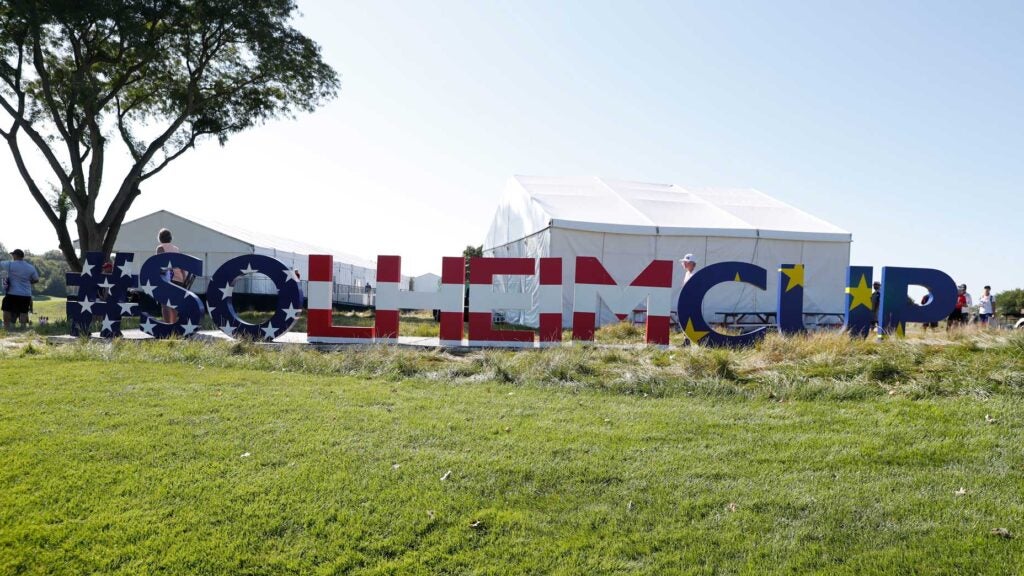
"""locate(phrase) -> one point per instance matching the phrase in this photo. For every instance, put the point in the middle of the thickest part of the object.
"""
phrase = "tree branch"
(60, 226)
(168, 159)
(129, 77)
(40, 143)
(44, 81)
(15, 80)
(129, 185)
(70, 139)
(126, 136)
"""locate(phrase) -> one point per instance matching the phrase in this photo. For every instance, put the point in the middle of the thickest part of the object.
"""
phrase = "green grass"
(49, 306)
(412, 323)
(806, 455)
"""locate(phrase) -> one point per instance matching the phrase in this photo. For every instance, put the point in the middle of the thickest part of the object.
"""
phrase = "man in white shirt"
(689, 264)
(986, 306)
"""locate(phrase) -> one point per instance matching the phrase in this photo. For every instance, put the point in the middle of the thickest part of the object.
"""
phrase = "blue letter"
(220, 300)
(897, 310)
(859, 315)
(156, 285)
(691, 300)
(790, 311)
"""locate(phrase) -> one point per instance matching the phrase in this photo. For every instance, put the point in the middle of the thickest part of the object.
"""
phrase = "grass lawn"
(800, 456)
(49, 306)
(55, 310)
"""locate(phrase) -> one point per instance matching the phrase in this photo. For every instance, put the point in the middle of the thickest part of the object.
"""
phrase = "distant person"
(18, 289)
(876, 302)
(966, 310)
(962, 310)
(173, 275)
(689, 264)
(986, 306)
(108, 269)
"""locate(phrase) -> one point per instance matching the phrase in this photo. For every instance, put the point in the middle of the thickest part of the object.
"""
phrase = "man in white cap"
(689, 264)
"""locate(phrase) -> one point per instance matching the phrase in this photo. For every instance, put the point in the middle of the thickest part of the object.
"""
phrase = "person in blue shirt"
(17, 289)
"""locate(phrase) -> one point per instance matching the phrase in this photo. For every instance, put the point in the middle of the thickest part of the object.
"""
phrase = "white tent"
(428, 282)
(628, 224)
(215, 243)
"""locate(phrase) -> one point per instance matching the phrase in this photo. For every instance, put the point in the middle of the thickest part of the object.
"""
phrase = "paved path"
(291, 338)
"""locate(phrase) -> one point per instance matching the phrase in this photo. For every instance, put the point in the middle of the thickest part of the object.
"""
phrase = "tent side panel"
(731, 296)
(535, 246)
(825, 276)
(771, 253)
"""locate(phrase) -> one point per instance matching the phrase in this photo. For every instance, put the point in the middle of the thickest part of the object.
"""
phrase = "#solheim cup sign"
(102, 299)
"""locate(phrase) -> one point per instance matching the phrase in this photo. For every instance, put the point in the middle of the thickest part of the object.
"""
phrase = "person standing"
(876, 302)
(174, 275)
(965, 310)
(689, 264)
(986, 306)
(21, 275)
(960, 313)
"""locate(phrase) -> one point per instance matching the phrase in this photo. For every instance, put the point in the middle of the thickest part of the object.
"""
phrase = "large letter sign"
(154, 283)
(100, 295)
(653, 285)
(896, 309)
(859, 315)
(320, 307)
(104, 297)
(691, 300)
(483, 301)
(549, 296)
(219, 297)
(789, 313)
(391, 299)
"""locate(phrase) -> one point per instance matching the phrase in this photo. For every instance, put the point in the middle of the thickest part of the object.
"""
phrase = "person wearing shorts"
(986, 306)
(18, 289)
(173, 275)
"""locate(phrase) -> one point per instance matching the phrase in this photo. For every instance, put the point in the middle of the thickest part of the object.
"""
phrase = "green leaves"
(160, 74)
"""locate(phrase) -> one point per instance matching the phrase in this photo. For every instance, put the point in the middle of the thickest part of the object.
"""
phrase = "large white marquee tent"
(628, 224)
(215, 243)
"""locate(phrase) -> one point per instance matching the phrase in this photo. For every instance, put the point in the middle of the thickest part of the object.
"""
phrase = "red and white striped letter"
(593, 282)
(549, 297)
(391, 298)
(320, 296)
(483, 300)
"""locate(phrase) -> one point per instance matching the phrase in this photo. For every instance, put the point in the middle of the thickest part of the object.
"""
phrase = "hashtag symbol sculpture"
(102, 297)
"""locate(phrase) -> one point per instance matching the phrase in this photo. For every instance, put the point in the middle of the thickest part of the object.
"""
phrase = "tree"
(1010, 302)
(52, 269)
(155, 75)
(471, 252)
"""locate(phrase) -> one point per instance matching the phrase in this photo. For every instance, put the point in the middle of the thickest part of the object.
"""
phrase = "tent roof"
(266, 241)
(602, 205)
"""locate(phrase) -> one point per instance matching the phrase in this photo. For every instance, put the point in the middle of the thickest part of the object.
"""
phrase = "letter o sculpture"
(219, 297)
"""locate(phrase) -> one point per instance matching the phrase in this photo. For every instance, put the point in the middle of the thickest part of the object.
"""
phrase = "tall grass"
(822, 365)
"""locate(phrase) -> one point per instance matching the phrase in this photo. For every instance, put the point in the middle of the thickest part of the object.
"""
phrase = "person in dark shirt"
(876, 302)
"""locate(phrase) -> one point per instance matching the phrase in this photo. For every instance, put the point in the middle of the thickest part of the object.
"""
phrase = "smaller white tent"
(428, 282)
(628, 224)
(215, 243)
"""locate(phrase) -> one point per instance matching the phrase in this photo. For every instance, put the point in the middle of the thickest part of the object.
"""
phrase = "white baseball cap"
(688, 258)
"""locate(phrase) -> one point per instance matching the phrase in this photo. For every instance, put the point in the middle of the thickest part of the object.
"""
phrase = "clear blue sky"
(900, 122)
